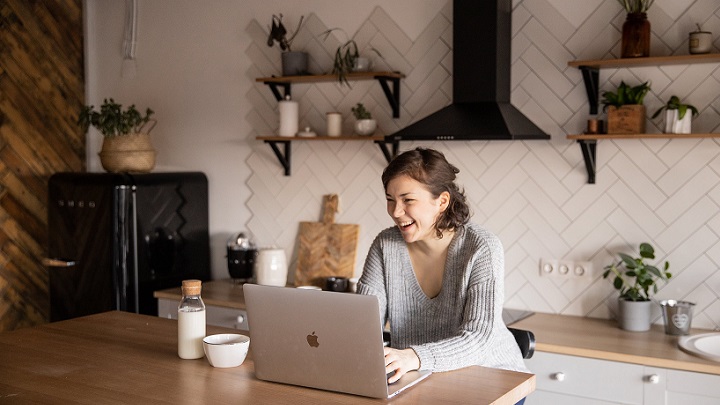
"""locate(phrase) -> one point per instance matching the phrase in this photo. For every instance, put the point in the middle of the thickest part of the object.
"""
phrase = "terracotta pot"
(636, 36)
(127, 153)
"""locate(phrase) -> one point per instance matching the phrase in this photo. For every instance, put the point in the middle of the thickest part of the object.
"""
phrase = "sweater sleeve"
(372, 280)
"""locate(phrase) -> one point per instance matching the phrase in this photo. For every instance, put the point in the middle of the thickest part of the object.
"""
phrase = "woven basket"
(128, 153)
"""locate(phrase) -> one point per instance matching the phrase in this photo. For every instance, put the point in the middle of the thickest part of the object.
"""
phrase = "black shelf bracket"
(392, 95)
(274, 88)
(589, 151)
(284, 156)
(591, 76)
(384, 149)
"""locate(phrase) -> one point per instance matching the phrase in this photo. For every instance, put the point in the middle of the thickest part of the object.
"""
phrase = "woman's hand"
(400, 361)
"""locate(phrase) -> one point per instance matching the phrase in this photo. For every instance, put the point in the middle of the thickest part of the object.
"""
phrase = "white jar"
(271, 267)
(334, 124)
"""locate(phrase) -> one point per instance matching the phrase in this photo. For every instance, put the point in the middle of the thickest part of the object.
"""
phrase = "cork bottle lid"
(191, 287)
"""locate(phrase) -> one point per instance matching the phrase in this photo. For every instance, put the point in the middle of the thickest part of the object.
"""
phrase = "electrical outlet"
(567, 269)
(583, 269)
(548, 267)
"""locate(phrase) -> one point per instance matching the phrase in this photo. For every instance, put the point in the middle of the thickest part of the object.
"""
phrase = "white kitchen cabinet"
(563, 379)
(218, 316)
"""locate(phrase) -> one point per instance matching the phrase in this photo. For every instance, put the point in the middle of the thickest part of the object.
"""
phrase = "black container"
(241, 253)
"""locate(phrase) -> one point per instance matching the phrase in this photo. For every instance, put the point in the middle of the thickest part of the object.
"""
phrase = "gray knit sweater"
(460, 327)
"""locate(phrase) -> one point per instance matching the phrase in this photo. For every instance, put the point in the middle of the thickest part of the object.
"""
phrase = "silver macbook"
(319, 339)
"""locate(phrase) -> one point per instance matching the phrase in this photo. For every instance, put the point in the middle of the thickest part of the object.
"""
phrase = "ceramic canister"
(271, 267)
(288, 117)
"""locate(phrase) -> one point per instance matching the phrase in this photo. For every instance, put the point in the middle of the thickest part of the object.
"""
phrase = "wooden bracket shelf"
(591, 69)
(588, 145)
(284, 156)
(389, 81)
(591, 74)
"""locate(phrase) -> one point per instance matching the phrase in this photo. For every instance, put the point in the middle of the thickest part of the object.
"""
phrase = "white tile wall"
(534, 195)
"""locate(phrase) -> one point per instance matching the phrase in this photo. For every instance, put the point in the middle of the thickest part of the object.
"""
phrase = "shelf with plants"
(590, 70)
(389, 81)
(284, 155)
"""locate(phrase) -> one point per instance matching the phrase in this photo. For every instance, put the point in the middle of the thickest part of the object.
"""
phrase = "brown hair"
(430, 168)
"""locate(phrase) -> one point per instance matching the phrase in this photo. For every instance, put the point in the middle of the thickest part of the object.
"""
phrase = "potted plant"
(126, 136)
(347, 58)
(364, 122)
(636, 281)
(677, 120)
(293, 62)
(636, 29)
(625, 109)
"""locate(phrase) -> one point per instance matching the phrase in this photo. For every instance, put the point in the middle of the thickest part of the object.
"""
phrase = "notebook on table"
(319, 339)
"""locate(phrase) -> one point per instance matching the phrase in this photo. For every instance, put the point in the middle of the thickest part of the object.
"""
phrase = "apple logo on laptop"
(313, 340)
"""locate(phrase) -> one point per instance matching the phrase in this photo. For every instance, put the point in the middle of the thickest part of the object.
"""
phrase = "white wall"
(196, 65)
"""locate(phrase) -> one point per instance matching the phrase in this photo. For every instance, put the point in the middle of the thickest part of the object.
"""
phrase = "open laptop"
(319, 339)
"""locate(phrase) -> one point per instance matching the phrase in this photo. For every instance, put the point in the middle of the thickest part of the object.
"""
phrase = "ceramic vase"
(636, 36)
(365, 126)
(294, 63)
(675, 125)
(634, 316)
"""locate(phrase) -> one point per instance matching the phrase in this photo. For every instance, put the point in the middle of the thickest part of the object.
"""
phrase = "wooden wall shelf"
(591, 74)
(588, 145)
(284, 156)
(386, 79)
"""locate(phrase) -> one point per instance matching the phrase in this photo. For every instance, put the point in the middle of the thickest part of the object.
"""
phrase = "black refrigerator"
(115, 238)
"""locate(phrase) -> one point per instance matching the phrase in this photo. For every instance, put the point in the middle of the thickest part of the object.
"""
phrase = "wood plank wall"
(41, 93)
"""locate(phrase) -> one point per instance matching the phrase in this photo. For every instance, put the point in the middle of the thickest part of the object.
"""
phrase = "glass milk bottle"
(191, 321)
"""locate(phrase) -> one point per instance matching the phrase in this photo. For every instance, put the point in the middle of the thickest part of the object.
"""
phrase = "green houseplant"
(364, 122)
(625, 109)
(677, 121)
(346, 57)
(636, 281)
(293, 62)
(126, 136)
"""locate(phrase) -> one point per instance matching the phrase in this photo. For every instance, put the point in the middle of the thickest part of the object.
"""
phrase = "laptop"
(320, 339)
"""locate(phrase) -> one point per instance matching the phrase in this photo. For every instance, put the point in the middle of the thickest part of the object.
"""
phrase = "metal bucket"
(677, 316)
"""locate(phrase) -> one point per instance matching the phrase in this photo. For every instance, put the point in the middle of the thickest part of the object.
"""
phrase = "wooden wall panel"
(41, 93)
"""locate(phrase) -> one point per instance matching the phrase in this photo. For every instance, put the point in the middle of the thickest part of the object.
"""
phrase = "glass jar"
(636, 36)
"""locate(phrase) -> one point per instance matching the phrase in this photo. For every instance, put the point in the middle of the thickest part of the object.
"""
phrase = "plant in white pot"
(636, 281)
(677, 119)
(364, 122)
(294, 63)
(126, 136)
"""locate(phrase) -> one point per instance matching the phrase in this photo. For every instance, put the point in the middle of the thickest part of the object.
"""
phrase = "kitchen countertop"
(603, 339)
(562, 334)
(121, 357)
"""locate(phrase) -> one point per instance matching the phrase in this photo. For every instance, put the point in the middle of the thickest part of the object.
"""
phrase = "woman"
(439, 279)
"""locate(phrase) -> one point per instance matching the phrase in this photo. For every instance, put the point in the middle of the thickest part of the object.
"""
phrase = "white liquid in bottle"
(191, 331)
(191, 321)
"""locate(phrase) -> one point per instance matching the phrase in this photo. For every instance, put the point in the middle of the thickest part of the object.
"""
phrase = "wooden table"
(119, 357)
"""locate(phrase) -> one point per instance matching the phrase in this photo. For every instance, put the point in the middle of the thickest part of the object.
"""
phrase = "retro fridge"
(115, 238)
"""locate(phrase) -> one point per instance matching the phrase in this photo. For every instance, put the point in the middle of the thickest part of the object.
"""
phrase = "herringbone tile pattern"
(532, 194)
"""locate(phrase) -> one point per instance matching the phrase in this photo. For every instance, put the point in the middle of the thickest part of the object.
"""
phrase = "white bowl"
(226, 349)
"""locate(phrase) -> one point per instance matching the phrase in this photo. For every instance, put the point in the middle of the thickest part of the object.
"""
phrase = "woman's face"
(413, 208)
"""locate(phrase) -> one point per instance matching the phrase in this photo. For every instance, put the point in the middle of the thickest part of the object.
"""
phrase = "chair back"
(525, 340)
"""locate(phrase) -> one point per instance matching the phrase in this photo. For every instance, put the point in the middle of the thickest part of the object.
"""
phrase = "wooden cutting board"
(325, 248)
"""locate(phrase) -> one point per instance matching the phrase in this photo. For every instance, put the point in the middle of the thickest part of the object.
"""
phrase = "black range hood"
(481, 108)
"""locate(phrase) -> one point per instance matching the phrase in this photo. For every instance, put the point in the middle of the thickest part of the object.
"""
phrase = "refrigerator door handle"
(46, 261)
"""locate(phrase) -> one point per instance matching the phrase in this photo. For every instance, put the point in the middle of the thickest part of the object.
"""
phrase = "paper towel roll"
(288, 118)
(334, 124)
